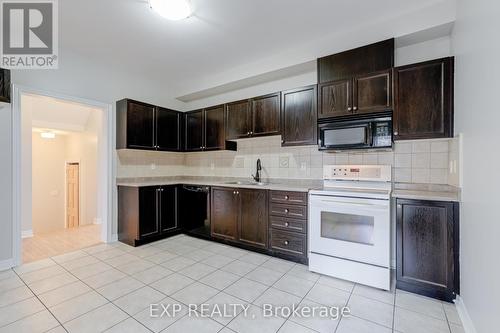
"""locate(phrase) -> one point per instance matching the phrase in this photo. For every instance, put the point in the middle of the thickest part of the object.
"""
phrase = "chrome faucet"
(257, 174)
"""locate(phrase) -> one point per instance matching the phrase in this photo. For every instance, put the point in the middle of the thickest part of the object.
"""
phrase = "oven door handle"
(353, 203)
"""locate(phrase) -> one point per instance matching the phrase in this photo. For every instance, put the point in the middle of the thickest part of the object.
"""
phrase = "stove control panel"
(357, 172)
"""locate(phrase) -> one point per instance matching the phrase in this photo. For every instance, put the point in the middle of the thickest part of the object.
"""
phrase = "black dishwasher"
(194, 210)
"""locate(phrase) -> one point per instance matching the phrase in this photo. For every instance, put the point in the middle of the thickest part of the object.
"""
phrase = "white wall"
(477, 67)
(48, 183)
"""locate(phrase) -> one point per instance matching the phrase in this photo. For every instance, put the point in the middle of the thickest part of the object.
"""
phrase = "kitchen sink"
(246, 183)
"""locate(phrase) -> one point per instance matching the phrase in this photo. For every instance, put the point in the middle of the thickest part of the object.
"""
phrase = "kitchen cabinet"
(265, 115)
(4, 85)
(288, 225)
(145, 126)
(299, 116)
(240, 215)
(204, 130)
(194, 131)
(424, 100)
(366, 93)
(257, 116)
(146, 213)
(427, 235)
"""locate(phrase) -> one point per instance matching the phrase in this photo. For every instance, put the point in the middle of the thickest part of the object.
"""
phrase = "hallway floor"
(50, 244)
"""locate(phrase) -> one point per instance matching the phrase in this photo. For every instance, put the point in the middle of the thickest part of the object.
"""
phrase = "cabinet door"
(335, 99)
(266, 115)
(253, 217)
(140, 125)
(148, 212)
(214, 128)
(225, 213)
(167, 129)
(238, 120)
(372, 92)
(424, 100)
(167, 208)
(194, 131)
(4, 85)
(298, 112)
(427, 260)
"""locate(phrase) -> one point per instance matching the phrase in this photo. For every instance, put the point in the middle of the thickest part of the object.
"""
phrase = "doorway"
(72, 195)
(85, 197)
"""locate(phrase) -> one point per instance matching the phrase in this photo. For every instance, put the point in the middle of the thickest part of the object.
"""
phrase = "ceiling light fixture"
(48, 135)
(172, 9)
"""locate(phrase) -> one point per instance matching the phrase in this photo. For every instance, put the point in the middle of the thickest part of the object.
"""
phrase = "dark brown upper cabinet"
(204, 129)
(193, 131)
(144, 126)
(257, 116)
(265, 115)
(356, 81)
(424, 100)
(427, 248)
(299, 116)
(168, 125)
(4, 85)
(359, 61)
(238, 120)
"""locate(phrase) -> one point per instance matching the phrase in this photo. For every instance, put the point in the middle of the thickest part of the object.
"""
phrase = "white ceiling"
(52, 113)
(223, 35)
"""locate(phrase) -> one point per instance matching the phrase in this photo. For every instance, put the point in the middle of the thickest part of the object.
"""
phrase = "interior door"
(140, 125)
(335, 99)
(167, 129)
(72, 195)
(372, 92)
(225, 213)
(351, 228)
(214, 128)
(148, 211)
(253, 217)
(168, 208)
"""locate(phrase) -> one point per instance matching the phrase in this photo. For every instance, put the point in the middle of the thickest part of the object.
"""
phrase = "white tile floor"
(109, 287)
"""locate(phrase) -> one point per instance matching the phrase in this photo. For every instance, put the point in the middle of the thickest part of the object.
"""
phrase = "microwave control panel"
(382, 134)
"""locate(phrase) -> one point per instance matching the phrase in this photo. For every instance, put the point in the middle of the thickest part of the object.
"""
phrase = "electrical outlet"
(153, 166)
(303, 166)
(212, 166)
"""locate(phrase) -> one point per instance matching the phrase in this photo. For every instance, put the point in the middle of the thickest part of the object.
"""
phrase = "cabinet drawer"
(288, 224)
(296, 198)
(286, 210)
(288, 242)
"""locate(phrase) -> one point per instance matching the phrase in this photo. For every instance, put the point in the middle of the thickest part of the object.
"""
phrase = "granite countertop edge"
(427, 192)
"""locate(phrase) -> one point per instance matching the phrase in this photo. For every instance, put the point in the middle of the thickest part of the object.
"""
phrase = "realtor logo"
(29, 34)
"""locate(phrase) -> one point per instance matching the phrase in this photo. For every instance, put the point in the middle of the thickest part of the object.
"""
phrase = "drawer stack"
(288, 225)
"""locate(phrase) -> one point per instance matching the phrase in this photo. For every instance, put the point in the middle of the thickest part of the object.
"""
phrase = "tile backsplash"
(418, 161)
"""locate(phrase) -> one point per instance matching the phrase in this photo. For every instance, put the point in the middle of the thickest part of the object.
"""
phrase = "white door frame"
(105, 167)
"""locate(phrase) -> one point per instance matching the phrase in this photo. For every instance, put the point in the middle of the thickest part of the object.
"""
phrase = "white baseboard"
(27, 233)
(464, 316)
(114, 238)
(6, 264)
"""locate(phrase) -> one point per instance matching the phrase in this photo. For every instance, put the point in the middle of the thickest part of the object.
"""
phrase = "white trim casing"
(467, 323)
(6, 264)
(106, 142)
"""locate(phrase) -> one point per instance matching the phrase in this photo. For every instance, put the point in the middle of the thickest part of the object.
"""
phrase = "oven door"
(350, 228)
(345, 135)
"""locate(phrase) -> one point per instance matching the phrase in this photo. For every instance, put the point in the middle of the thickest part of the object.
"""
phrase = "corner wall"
(477, 52)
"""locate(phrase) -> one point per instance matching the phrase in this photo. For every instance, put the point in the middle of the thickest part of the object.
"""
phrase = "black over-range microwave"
(359, 132)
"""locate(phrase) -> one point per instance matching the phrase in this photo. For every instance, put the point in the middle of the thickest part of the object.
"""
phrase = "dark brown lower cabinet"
(427, 248)
(240, 215)
(146, 213)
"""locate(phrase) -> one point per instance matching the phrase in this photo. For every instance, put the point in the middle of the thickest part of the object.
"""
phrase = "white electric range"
(350, 224)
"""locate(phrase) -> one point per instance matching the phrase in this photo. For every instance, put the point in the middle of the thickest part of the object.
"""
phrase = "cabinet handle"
(354, 108)
(237, 192)
(286, 210)
(251, 133)
(286, 224)
(396, 132)
(349, 109)
(287, 197)
(285, 242)
(234, 192)
(282, 141)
